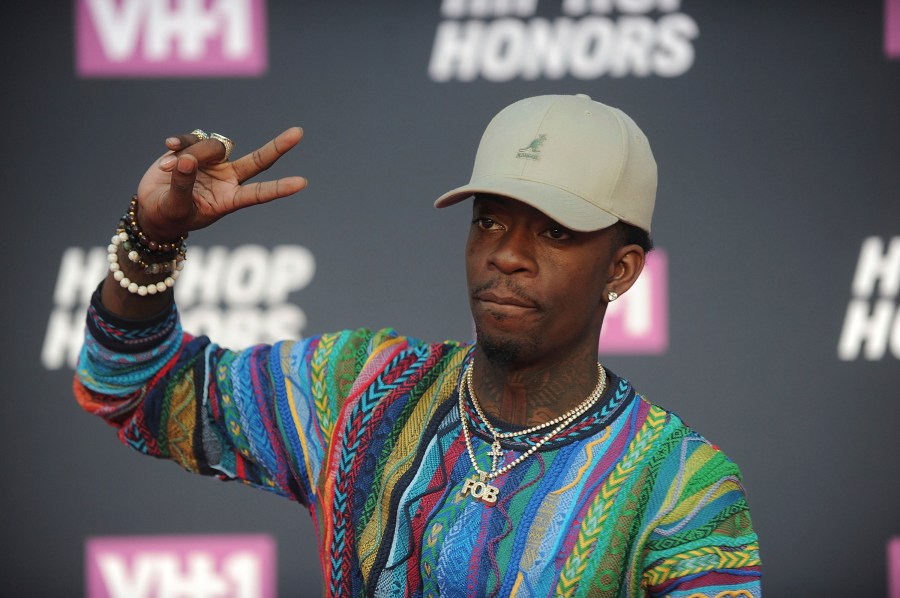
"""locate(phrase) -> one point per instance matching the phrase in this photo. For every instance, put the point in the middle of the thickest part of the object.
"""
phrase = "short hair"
(629, 234)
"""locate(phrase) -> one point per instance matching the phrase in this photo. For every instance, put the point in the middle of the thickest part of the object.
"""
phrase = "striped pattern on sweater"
(363, 427)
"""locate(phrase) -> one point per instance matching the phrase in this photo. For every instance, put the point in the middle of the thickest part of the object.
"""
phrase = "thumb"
(166, 216)
(180, 199)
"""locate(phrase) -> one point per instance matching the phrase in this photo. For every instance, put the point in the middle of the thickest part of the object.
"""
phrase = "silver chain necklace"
(477, 486)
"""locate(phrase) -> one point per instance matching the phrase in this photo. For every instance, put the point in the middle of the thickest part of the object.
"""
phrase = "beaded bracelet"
(163, 262)
(135, 230)
(151, 256)
(175, 267)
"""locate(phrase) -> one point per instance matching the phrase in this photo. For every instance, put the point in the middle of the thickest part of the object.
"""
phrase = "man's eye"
(485, 223)
(558, 234)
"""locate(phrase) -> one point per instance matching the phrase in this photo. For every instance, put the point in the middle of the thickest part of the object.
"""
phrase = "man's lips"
(504, 299)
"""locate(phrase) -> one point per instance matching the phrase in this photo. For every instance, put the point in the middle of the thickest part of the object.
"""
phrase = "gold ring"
(228, 143)
(200, 134)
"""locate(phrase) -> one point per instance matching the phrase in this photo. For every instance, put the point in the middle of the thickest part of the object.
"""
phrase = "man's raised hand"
(192, 185)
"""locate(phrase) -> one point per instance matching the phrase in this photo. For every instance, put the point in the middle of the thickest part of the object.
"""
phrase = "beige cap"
(584, 164)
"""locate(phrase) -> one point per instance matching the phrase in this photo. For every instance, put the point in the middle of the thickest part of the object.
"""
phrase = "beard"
(499, 348)
(504, 351)
(500, 353)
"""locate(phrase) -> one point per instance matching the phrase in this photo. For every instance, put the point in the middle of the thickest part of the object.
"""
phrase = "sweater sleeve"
(263, 416)
(702, 542)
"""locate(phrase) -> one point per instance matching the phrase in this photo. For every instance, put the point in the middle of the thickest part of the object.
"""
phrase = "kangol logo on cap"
(531, 151)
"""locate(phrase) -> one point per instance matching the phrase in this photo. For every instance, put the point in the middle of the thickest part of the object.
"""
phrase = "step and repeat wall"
(768, 318)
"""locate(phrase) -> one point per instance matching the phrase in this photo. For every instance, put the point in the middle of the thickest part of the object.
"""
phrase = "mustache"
(508, 285)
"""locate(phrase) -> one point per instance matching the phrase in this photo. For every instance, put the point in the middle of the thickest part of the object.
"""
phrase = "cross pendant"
(496, 452)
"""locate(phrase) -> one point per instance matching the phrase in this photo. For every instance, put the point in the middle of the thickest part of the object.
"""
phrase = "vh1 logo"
(637, 323)
(893, 563)
(164, 38)
(241, 566)
(892, 28)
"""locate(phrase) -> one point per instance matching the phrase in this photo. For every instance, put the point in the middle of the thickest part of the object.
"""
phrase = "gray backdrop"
(779, 154)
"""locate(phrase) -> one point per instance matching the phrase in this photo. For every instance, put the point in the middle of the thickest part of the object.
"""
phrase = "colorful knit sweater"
(364, 428)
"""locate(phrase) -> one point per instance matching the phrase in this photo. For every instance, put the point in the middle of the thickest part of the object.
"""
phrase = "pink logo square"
(893, 567)
(892, 28)
(170, 38)
(239, 566)
(637, 323)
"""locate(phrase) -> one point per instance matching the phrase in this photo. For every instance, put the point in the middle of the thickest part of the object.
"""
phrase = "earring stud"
(612, 296)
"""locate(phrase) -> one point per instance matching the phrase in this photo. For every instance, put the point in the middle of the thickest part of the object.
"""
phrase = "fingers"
(214, 151)
(180, 142)
(181, 189)
(250, 165)
(257, 193)
(208, 151)
(223, 181)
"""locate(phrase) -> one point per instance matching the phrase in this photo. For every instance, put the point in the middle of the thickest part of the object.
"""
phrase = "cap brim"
(568, 209)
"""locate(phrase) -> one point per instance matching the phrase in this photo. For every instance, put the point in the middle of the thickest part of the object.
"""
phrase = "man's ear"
(628, 261)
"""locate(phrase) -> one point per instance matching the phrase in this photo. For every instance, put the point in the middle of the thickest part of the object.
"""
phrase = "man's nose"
(514, 252)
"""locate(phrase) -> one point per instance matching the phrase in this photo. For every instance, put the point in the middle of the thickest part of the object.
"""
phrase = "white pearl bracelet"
(131, 286)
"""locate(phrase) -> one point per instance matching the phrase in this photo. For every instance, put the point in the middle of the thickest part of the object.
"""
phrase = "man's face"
(536, 288)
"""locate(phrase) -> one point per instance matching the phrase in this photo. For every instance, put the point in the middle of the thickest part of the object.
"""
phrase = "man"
(516, 466)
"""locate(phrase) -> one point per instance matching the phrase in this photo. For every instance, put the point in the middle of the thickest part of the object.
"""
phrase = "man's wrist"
(143, 324)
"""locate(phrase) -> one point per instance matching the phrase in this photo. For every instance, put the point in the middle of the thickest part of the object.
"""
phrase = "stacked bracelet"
(130, 223)
(151, 256)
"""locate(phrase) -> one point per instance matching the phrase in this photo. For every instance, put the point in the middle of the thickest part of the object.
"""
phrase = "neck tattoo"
(478, 486)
